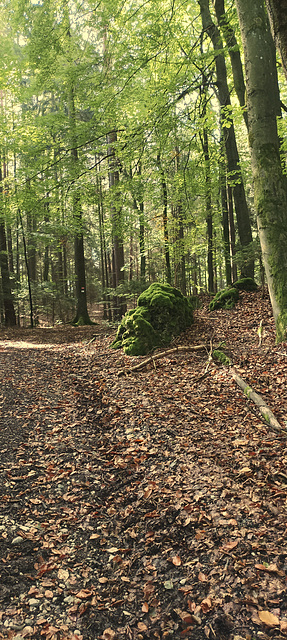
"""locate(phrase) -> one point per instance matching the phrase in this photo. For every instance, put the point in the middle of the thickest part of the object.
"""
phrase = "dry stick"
(260, 403)
(162, 354)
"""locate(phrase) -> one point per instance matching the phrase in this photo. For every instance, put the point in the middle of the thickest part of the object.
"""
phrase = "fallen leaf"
(145, 607)
(268, 618)
(206, 604)
(108, 634)
(202, 577)
(176, 561)
(148, 589)
(84, 593)
(230, 545)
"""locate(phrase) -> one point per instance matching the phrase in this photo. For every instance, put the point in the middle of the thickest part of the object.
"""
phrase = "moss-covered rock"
(161, 313)
(245, 284)
(225, 299)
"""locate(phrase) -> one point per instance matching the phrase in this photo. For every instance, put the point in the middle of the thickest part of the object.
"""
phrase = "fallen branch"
(162, 354)
(260, 403)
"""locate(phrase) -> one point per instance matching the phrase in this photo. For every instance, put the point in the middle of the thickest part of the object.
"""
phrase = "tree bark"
(269, 182)
(277, 10)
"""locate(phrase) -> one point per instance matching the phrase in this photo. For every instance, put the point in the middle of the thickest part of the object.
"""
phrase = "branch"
(162, 354)
(260, 403)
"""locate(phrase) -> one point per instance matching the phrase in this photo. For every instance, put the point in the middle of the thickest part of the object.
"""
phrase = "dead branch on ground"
(162, 354)
(260, 403)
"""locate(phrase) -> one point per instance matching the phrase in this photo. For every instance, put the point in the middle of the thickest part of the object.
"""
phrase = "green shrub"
(161, 313)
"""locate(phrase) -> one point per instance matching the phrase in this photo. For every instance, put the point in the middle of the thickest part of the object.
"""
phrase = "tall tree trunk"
(9, 311)
(277, 10)
(241, 207)
(231, 233)
(208, 208)
(225, 218)
(269, 182)
(180, 275)
(164, 219)
(82, 316)
(118, 261)
(234, 54)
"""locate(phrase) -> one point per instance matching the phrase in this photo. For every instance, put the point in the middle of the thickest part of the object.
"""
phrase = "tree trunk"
(269, 182)
(82, 316)
(118, 261)
(225, 218)
(179, 268)
(9, 311)
(234, 54)
(208, 210)
(233, 163)
(277, 10)
(164, 218)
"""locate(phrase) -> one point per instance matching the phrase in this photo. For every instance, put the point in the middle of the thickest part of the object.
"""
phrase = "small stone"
(17, 540)
(69, 599)
(33, 602)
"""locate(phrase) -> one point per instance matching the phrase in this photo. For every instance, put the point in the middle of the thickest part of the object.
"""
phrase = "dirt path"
(144, 506)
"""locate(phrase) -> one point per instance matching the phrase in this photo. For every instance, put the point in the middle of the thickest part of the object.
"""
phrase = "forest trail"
(150, 505)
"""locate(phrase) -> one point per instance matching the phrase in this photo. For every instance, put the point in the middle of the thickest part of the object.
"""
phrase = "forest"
(140, 142)
(143, 313)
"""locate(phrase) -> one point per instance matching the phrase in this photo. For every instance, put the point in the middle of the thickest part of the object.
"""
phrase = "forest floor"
(145, 505)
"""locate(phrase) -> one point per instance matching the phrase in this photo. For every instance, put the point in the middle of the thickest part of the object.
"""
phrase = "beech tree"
(263, 105)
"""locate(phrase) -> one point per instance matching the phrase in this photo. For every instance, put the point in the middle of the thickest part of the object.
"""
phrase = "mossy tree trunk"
(269, 182)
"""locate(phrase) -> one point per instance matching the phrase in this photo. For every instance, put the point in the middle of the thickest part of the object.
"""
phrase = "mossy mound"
(161, 313)
(220, 357)
(225, 299)
(245, 284)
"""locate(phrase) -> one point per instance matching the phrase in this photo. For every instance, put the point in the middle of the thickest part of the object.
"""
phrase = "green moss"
(219, 356)
(224, 299)
(281, 327)
(245, 284)
(161, 313)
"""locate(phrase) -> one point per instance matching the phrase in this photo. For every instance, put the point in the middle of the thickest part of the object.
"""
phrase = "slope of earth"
(145, 505)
